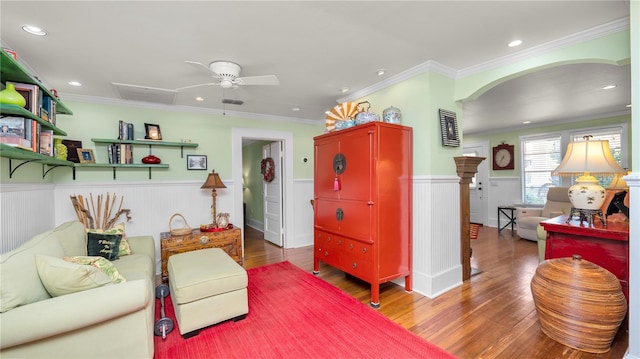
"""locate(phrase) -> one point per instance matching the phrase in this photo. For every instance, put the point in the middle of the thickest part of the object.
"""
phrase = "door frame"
(482, 175)
(278, 177)
(237, 135)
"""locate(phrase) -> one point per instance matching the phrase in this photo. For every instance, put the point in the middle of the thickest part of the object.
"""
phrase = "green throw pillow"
(60, 277)
(102, 264)
(104, 245)
(124, 248)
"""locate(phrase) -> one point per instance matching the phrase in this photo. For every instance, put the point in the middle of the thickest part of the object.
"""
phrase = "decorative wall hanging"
(449, 127)
(267, 168)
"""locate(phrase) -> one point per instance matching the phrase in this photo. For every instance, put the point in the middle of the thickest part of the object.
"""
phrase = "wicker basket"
(579, 304)
(179, 231)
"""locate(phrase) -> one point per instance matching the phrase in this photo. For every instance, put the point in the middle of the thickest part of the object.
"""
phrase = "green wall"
(513, 138)
(253, 191)
(211, 131)
(419, 99)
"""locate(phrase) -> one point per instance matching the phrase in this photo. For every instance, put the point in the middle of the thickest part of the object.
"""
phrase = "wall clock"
(503, 157)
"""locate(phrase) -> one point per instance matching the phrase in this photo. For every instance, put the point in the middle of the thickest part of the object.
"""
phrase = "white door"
(478, 187)
(272, 192)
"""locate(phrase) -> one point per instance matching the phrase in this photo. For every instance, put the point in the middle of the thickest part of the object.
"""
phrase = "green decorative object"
(60, 149)
(12, 97)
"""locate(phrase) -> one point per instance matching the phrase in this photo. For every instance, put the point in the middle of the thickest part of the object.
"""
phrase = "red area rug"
(293, 314)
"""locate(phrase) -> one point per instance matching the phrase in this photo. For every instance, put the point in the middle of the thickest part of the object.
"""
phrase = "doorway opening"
(285, 140)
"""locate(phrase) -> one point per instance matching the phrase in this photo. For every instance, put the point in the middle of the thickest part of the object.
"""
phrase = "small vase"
(12, 97)
(392, 115)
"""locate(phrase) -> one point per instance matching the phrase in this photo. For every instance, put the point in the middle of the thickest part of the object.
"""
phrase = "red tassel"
(336, 184)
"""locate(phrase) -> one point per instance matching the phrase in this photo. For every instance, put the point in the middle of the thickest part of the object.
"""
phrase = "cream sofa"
(110, 321)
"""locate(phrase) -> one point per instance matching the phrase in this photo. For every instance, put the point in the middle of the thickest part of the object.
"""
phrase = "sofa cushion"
(106, 245)
(72, 236)
(100, 263)
(19, 277)
(136, 266)
(61, 277)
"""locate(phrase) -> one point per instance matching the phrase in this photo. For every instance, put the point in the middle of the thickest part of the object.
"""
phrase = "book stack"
(120, 153)
(125, 130)
(26, 133)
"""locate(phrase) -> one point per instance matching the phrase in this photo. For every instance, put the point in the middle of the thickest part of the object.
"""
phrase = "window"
(543, 153)
(540, 156)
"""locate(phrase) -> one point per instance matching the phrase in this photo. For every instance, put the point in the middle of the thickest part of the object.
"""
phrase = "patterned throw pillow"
(104, 245)
(101, 263)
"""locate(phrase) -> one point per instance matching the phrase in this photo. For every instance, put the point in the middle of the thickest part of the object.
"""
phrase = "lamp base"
(586, 215)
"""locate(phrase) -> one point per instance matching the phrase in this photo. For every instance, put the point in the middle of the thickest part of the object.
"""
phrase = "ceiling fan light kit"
(228, 75)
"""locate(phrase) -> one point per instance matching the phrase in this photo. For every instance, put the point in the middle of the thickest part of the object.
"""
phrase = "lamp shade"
(585, 158)
(213, 181)
(590, 157)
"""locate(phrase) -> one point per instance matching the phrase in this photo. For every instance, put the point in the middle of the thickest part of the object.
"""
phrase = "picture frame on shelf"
(85, 155)
(449, 128)
(152, 132)
(72, 150)
(196, 162)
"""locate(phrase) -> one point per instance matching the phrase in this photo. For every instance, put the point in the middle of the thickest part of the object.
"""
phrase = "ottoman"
(207, 287)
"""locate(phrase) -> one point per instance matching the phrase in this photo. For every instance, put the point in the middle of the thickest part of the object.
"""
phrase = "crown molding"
(561, 43)
(574, 39)
(184, 109)
(430, 65)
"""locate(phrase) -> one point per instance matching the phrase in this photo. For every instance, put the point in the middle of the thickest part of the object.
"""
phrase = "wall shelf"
(149, 143)
(13, 110)
(13, 153)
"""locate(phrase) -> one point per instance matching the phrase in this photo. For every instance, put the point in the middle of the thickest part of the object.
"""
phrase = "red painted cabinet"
(363, 203)
(607, 246)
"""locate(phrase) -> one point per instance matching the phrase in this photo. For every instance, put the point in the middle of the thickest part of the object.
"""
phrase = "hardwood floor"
(492, 315)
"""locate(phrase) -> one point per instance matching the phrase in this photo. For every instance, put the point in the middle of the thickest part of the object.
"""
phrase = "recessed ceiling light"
(380, 72)
(74, 83)
(609, 87)
(526, 122)
(296, 109)
(199, 99)
(629, 105)
(327, 112)
(344, 90)
(34, 30)
(515, 43)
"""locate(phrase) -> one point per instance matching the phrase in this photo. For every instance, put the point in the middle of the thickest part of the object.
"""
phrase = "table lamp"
(213, 181)
(585, 158)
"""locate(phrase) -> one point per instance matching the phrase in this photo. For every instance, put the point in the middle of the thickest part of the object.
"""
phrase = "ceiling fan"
(227, 75)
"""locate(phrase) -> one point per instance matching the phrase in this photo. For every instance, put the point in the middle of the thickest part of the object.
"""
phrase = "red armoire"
(363, 203)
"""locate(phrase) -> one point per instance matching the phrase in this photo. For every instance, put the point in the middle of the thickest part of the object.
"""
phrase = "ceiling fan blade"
(199, 85)
(200, 67)
(257, 80)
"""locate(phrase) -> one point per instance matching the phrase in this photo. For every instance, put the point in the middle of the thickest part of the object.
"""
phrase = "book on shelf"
(46, 142)
(125, 130)
(13, 132)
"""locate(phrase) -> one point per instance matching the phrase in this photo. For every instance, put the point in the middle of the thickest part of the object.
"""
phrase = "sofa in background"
(109, 321)
(527, 219)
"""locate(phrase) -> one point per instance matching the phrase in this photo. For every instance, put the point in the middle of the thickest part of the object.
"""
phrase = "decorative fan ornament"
(340, 112)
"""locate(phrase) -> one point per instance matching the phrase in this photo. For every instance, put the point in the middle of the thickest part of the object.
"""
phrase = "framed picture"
(196, 162)
(152, 132)
(72, 150)
(85, 155)
(449, 127)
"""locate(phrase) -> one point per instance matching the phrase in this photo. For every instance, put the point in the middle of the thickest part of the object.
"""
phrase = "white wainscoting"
(26, 209)
(303, 214)
(436, 235)
(152, 204)
(503, 191)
